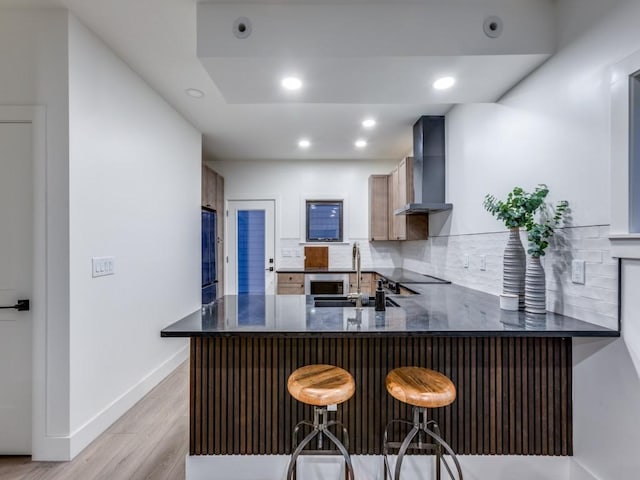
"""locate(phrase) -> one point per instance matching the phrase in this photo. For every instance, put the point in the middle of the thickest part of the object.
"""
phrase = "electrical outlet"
(101, 266)
(466, 261)
(483, 262)
(577, 271)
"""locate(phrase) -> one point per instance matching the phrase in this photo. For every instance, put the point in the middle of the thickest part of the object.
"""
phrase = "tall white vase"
(514, 265)
(535, 300)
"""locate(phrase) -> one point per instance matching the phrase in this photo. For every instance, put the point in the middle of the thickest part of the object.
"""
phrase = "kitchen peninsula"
(513, 371)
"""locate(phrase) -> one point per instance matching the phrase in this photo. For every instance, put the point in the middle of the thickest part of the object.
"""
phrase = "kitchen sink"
(346, 302)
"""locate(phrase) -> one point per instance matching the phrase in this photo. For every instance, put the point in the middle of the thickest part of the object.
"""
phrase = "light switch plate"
(101, 266)
(577, 271)
(483, 262)
(465, 262)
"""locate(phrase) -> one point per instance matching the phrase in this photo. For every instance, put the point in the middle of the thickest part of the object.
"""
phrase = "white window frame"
(624, 244)
(338, 197)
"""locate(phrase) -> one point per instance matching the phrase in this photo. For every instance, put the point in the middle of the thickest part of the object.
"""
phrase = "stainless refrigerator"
(209, 270)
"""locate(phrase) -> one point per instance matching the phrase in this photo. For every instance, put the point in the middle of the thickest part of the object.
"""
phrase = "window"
(324, 221)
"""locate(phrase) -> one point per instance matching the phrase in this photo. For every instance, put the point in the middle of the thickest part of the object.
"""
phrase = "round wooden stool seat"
(321, 385)
(420, 387)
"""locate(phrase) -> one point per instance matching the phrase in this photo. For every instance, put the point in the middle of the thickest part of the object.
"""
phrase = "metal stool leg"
(298, 450)
(320, 427)
(403, 449)
(421, 425)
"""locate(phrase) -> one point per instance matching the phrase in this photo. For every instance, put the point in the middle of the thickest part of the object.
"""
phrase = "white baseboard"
(83, 436)
(51, 449)
(273, 467)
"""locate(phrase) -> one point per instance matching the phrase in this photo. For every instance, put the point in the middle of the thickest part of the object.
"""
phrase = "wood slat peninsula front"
(513, 393)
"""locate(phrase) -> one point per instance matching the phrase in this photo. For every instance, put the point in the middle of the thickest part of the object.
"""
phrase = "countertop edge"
(467, 333)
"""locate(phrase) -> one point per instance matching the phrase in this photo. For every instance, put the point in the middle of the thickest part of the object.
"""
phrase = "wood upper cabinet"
(405, 227)
(388, 193)
(209, 187)
(378, 207)
(395, 224)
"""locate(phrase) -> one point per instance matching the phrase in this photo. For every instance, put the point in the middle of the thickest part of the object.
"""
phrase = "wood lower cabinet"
(290, 283)
(366, 283)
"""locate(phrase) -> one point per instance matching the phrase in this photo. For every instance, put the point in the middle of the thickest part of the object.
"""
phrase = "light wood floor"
(150, 441)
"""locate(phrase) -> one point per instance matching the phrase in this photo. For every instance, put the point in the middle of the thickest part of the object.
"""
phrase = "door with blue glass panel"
(252, 247)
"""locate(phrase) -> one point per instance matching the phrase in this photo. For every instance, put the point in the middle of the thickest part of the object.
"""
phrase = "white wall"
(34, 72)
(134, 175)
(290, 182)
(554, 128)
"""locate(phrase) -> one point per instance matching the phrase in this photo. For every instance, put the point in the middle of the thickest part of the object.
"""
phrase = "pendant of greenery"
(519, 207)
(538, 233)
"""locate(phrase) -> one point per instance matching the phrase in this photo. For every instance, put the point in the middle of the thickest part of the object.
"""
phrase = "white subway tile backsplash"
(595, 301)
(384, 255)
(592, 256)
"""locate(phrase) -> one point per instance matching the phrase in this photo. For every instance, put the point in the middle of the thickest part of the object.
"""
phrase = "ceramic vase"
(535, 300)
(514, 265)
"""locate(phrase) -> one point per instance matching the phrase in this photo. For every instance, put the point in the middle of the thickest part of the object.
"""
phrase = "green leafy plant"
(519, 207)
(539, 233)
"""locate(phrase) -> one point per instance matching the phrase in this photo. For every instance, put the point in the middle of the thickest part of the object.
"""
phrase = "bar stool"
(321, 386)
(421, 388)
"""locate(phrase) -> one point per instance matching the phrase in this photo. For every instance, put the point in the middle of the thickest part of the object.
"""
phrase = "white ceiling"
(357, 58)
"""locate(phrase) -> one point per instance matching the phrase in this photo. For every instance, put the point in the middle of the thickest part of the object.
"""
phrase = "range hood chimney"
(428, 167)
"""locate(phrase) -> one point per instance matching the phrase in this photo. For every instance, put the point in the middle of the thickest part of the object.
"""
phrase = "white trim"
(629, 236)
(36, 115)
(620, 119)
(625, 246)
(475, 467)
(88, 432)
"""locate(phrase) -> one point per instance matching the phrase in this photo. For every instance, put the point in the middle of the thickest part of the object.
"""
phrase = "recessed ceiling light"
(361, 143)
(292, 83)
(368, 123)
(194, 92)
(444, 83)
(304, 143)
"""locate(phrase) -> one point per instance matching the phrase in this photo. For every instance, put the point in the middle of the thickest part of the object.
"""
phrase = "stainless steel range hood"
(428, 167)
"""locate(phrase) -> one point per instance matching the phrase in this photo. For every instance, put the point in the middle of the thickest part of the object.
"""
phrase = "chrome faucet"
(356, 261)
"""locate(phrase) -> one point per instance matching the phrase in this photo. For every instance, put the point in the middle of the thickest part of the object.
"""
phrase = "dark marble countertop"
(439, 310)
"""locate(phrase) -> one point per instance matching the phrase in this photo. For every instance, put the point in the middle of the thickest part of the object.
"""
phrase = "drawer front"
(295, 278)
(291, 289)
(365, 279)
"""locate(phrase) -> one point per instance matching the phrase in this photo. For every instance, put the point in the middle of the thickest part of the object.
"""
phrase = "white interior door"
(251, 247)
(16, 252)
